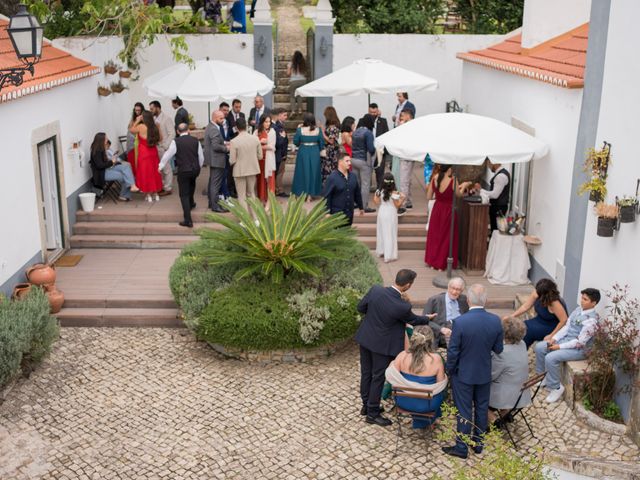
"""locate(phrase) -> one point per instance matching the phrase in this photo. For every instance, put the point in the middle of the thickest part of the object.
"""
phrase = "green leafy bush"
(255, 313)
(27, 331)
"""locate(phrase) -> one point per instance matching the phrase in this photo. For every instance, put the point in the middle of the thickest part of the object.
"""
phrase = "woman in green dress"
(307, 179)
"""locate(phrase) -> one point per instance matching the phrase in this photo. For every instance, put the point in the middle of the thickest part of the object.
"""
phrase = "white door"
(50, 195)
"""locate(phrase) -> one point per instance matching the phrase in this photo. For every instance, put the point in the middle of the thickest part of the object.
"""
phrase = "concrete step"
(404, 242)
(404, 230)
(76, 299)
(132, 241)
(154, 218)
(131, 228)
(281, 97)
(120, 317)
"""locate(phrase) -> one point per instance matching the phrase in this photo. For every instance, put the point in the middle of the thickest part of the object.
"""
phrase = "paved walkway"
(154, 403)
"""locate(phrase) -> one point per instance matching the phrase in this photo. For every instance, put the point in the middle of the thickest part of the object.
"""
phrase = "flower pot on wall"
(41, 274)
(628, 213)
(606, 226)
(124, 73)
(595, 196)
(104, 92)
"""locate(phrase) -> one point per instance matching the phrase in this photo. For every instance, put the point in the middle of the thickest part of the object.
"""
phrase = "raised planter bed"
(300, 355)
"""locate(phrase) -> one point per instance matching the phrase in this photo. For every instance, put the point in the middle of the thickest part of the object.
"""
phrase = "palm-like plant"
(279, 241)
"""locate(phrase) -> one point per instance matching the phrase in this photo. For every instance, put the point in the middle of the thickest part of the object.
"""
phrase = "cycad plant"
(278, 242)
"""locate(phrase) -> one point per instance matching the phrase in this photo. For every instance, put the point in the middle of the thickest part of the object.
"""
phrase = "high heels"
(148, 198)
(134, 188)
(156, 197)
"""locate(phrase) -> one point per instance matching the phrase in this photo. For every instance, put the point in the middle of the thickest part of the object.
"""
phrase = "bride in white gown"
(388, 200)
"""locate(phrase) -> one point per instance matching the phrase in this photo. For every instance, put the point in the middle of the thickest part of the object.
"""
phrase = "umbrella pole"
(368, 99)
(442, 279)
(208, 111)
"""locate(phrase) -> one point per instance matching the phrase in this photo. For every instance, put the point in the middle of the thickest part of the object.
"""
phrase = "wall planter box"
(628, 213)
(595, 196)
(606, 226)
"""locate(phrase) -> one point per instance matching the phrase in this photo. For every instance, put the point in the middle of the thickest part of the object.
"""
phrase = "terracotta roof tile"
(560, 61)
(56, 67)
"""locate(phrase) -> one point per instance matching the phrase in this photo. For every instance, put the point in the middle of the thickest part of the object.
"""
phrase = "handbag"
(323, 153)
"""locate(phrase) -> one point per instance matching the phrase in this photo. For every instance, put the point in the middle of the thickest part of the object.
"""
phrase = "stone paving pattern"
(155, 403)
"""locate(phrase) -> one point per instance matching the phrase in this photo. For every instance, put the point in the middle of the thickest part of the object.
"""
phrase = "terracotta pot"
(41, 274)
(104, 92)
(111, 70)
(56, 298)
(124, 73)
(20, 290)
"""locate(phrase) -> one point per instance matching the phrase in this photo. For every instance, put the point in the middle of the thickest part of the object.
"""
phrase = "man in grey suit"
(444, 308)
(215, 154)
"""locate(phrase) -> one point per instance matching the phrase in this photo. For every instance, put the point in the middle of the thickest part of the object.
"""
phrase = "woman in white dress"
(388, 199)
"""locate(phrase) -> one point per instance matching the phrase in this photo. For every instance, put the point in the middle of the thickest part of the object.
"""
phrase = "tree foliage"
(387, 16)
(490, 16)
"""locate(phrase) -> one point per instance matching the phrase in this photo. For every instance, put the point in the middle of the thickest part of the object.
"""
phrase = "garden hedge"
(257, 314)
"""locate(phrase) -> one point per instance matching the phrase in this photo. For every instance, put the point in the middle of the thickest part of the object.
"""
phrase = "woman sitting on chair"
(419, 367)
(509, 370)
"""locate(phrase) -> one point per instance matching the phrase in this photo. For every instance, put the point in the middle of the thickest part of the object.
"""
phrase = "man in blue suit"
(381, 338)
(474, 336)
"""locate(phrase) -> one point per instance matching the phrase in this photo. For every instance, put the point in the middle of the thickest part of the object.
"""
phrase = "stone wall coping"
(296, 355)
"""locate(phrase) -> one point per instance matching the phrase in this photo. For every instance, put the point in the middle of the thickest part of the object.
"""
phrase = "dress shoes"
(478, 449)
(379, 420)
(363, 410)
(282, 194)
(193, 206)
(186, 224)
(369, 210)
(218, 209)
(454, 452)
(164, 193)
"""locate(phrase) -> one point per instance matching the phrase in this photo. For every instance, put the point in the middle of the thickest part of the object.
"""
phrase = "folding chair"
(408, 392)
(531, 382)
(111, 191)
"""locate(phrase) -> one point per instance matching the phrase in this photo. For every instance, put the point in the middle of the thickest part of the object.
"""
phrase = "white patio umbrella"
(460, 139)
(209, 81)
(367, 75)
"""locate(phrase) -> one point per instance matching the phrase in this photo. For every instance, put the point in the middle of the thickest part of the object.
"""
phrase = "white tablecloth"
(507, 260)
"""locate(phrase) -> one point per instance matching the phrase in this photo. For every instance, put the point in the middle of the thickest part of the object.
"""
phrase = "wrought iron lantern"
(26, 36)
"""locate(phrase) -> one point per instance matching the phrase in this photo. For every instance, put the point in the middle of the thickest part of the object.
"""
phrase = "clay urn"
(20, 290)
(41, 274)
(56, 298)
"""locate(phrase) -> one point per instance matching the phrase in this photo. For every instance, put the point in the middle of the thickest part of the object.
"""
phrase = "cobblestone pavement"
(154, 403)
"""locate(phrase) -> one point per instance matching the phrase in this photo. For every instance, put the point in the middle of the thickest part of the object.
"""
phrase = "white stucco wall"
(617, 259)
(153, 59)
(76, 107)
(431, 55)
(543, 20)
(554, 113)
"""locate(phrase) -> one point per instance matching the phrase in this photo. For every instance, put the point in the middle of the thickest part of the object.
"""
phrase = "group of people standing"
(486, 357)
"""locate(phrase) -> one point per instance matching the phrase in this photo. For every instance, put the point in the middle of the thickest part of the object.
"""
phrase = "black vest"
(187, 154)
(503, 199)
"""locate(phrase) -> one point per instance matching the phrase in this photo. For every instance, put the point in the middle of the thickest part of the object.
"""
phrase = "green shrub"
(27, 331)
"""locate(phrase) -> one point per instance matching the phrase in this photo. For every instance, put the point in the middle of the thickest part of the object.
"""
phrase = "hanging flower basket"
(124, 73)
(117, 87)
(628, 209)
(104, 91)
(595, 196)
(607, 219)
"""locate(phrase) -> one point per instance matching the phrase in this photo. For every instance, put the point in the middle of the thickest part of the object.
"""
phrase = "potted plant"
(124, 73)
(110, 67)
(628, 206)
(103, 91)
(192, 123)
(596, 165)
(117, 87)
(607, 218)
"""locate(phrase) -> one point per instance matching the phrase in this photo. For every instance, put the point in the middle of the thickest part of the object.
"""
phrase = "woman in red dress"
(148, 178)
(437, 249)
(266, 181)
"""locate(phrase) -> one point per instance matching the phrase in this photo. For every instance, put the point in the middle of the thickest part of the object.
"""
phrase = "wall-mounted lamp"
(262, 46)
(26, 37)
(324, 47)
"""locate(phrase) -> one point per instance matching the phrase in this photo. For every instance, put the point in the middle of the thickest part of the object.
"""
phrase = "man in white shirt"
(189, 159)
(403, 104)
(498, 193)
(257, 111)
(167, 130)
(569, 343)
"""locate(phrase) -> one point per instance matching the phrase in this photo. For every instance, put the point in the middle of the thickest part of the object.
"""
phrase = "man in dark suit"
(381, 338)
(380, 126)
(444, 308)
(403, 104)
(258, 111)
(189, 159)
(182, 116)
(278, 117)
(474, 336)
(215, 154)
(233, 116)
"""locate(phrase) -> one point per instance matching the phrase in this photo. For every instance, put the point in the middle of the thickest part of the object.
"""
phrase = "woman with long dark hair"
(105, 170)
(148, 178)
(550, 308)
(266, 180)
(138, 108)
(363, 151)
(438, 235)
(346, 134)
(331, 135)
(307, 178)
(297, 72)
